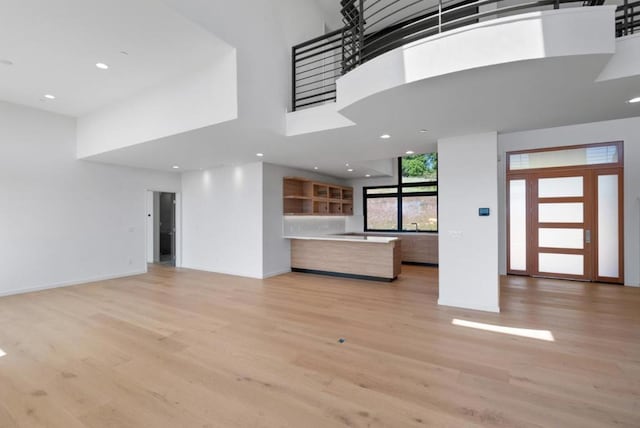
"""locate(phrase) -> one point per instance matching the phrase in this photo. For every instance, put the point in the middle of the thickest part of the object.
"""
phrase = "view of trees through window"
(412, 204)
(419, 168)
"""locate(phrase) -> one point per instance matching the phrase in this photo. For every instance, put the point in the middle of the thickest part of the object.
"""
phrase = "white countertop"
(403, 233)
(347, 238)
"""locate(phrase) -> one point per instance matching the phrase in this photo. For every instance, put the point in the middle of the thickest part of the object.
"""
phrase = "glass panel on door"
(561, 212)
(560, 187)
(517, 225)
(565, 264)
(608, 226)
(561, 238)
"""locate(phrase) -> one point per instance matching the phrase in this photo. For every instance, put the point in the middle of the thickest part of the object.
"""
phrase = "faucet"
(416, 226)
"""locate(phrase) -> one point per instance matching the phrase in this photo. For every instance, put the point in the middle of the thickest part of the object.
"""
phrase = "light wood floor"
(179, 348)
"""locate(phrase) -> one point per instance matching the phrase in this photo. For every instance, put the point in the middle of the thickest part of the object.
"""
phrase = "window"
(382, 213)
(593, 154)
(412, 204)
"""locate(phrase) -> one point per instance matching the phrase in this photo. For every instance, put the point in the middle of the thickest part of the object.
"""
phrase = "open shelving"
(335, 192)
(302, 196)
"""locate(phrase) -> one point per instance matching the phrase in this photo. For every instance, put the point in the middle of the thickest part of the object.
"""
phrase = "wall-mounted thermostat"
(483, 212)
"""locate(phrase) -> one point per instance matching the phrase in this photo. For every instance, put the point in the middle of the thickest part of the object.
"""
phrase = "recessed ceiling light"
(409, 152)
(350, 170)
(367, 175)
(422, 131)
(175, 167)
(50, 97)
(346, 164)
(102, 66)
(259, 154)
(315, 167)
(385, 136)
(6, 62)
(634, 100)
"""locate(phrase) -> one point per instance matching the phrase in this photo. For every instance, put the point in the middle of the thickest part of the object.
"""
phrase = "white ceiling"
(220, 145)
(331, 9)
(511, 97)
(58, 55)
(54, 46)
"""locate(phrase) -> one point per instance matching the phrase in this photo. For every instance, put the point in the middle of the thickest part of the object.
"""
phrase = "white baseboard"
(466, 305)
(70, 283)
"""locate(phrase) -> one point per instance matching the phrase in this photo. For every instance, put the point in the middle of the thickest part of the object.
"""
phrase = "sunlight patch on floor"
(522, 332)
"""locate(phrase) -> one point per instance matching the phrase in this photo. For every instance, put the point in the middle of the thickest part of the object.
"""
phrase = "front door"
(566, 222)
(561, 237)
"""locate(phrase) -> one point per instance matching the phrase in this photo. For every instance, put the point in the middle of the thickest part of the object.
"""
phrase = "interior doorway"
(161, 228)
(565, 213)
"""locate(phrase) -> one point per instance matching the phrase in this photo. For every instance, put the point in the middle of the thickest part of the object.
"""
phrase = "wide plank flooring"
(183, 348)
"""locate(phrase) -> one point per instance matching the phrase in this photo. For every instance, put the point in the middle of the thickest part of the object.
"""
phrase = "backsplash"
(306, 226)
(354, 223)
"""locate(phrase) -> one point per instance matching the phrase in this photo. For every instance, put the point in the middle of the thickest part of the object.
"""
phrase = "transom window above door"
(559, 157)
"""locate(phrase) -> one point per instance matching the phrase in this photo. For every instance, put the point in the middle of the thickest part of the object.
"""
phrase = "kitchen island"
(364, 257)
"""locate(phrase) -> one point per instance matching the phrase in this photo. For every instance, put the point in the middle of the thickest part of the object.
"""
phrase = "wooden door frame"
(591, 171)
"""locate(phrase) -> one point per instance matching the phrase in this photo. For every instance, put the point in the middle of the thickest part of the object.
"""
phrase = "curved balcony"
(373, 28)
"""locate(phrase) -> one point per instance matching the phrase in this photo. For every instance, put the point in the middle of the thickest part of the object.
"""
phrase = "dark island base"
(343, 275)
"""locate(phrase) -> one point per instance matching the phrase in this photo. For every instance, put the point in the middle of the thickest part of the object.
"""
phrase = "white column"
(468, 242)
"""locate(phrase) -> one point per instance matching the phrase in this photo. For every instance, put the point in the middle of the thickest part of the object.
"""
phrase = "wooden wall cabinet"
(302, 196)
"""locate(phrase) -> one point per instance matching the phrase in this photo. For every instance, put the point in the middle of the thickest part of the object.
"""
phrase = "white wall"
(276, 249)
(468, 243)
(263, 33)
(199, 98)
(627, 130)
(222, 220)
(233, 220)
(65, 221)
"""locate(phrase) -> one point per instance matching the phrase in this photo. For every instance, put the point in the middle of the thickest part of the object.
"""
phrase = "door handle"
(587, 236)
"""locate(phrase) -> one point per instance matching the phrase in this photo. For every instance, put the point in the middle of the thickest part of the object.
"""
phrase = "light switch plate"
(455, 234)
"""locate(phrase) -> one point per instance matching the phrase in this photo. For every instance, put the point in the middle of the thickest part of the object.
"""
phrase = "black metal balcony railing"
(627, 18)
(373, 27)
